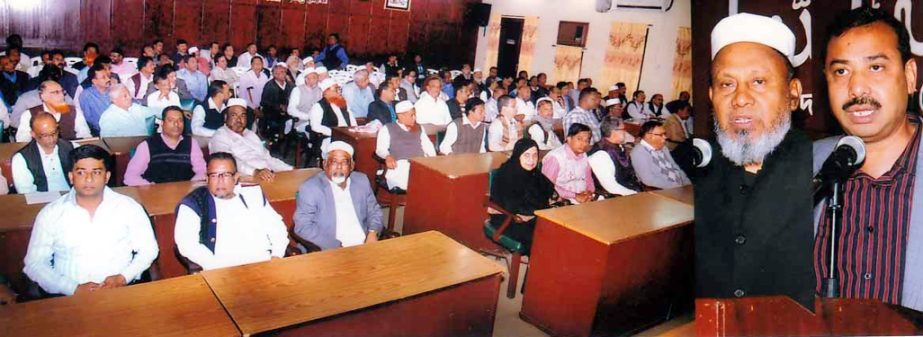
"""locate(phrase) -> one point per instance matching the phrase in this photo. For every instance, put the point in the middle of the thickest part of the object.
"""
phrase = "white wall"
(657, 75)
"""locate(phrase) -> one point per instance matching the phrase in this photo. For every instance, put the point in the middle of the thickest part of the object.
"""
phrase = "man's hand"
(114, 281)
(86, 288)
(371, 237)
(264, 175)
(7, 296)
(390, 162)
(584, 197)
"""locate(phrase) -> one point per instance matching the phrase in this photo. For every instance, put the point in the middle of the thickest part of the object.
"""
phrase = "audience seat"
(496, 234)
(396, 196)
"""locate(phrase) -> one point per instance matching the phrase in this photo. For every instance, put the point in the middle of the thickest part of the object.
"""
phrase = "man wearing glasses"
(652, 160)
(92, 238)
(224, 224)
(337, 208)
(42, 164)
(72, 125)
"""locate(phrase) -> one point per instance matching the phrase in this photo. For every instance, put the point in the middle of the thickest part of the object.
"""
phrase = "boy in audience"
(92, 238)
(567, 166)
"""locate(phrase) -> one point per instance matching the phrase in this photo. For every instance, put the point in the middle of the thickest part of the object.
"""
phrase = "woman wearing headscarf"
(520, 187)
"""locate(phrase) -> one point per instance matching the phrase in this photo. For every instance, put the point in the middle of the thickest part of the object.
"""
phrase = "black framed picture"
(403, 5)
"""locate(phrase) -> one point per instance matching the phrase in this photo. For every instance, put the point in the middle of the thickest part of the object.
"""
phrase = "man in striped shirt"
(870, 74)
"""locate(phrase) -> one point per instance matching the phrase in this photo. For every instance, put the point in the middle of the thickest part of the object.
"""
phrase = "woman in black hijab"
(520, 187)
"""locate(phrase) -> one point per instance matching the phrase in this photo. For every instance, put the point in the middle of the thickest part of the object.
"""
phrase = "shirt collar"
(465, 121)
(212, 105)
(648, 145)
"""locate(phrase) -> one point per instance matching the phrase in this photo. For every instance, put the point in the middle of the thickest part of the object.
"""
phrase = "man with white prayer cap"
(337, 208)
(753, 202)
(330, 111)
(397, 143)
(303, 98)
(253, 159)
(321, 73)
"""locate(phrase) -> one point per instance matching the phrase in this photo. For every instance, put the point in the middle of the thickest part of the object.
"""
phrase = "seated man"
(382, 109)
(124, 118)
(168, 156)
(274, 101)
(206, 116)
(653, 162)
(330, 112)
(611, 163)
(253, 159)
(466, 134)
(91, 238)
(53, 100)
(542, 130)
(397, 142)
(337, 208)
(224, 224)
(568, 168)
(507, 127)
(42, 165)
(675, 123)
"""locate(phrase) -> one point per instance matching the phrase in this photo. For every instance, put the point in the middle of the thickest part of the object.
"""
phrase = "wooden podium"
(782, 316)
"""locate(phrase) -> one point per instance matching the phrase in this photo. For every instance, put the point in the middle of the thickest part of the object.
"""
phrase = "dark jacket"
(378, 110)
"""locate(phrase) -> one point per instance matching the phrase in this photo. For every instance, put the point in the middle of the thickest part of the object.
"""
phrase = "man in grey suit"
(337, 208)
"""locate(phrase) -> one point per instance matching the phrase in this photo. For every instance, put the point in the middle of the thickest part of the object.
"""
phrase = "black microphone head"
(856, 145)
(702, 152)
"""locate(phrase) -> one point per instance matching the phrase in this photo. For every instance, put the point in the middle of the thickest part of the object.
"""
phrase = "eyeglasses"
(339, 164)
(55, 92)
(221, 175)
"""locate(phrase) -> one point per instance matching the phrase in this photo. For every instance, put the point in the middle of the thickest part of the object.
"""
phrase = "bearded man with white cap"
(337, 208)
(330, 111)
(303, 98)
(253, 159)
(398, 142)
(753, 234)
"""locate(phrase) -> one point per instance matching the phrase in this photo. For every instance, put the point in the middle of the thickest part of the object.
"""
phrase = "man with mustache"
(870, 74)
(253, 159)
(71, 125)
(330, 111)
(753, 202)
(337, 208)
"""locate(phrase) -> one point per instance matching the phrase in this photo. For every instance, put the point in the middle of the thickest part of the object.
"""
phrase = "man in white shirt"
(330, 111)
(637, 109)
(251, 84)
(253, 159)
(119, 66)
(124, 118)
(466, 134)
(542, 131)
(92, 238)
(493, 109)
(72, 124)
(408, 83)
(206, 119)
(42, 165)
(164, 95)
(524, 105)
(246, 58)
(337, 208)
(507, 128)
(238, 224)
(138, 83)
(397, 143)
(431, 108)
(303, 98)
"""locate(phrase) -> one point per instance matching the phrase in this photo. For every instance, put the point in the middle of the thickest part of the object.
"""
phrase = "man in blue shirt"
(196, 82)
(359, 94)
(334, 55)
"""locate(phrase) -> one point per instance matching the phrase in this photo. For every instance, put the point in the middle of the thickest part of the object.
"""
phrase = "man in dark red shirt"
(870, 75)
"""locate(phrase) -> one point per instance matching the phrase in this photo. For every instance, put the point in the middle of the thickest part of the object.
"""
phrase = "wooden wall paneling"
(46, 25)
(187, 22)
(378, 8)
(158, 23)
(293, 25)
(269, 25)
(338, 23)
(358, 36)
(127, 26)
(315, 27)
(338, 7)
(378, 37)
(216, 21)
(5, 20)
(398, 34)
(95, 22)
(243, 24)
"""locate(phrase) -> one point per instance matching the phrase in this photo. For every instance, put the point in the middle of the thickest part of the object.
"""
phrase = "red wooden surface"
(450, 205)
(468, 309)
(778, 316)
(364, 148)
(578, 286)
(366, 28)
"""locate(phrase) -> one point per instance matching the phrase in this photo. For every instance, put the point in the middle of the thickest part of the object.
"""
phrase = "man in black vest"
(42, 164)
(207, 116)
(168, 156)
(382, 109)
(334, 55)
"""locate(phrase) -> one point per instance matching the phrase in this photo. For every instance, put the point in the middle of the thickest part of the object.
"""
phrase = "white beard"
(338, 179)
(741, 150)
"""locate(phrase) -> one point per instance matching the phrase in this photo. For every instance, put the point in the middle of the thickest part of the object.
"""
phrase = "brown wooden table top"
(682, 194)
(7, 150)
(180, 306)
(622, 218)
(458, 165)
(431, 130)
(17, 215)
(280, 293)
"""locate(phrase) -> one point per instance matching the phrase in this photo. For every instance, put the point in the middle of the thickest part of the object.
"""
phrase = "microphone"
(845, 159)
(702, 154)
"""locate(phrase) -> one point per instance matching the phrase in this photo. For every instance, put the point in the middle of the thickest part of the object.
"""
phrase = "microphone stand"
(830, 286)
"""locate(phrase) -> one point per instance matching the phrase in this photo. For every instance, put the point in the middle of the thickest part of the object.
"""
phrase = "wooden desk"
(633, 128)
(446, 193)
(416, 285)
(364, 145)
(682, 194)
(160, 201)
(182, 306)
(609, 267)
